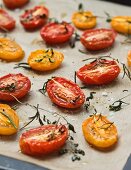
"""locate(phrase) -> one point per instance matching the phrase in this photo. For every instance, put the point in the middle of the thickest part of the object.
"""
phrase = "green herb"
(8, 87)
(23, 65)
(39, 60)
(74, 39)
(75, 77)
(117, 105)
(109, 18)
(80, 7)
(9, 118)
(87, 104)
(126, 71)
(83, 52)
(105, 127)
(53, 20)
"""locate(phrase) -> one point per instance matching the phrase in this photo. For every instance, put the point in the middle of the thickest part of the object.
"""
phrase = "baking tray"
(93, 159)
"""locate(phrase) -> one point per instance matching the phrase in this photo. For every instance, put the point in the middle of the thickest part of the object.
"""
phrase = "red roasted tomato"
(65, 93)
(34, 18)
(6, 21)
(43, 140)
(14, 84)
(99, 72)
(98, 39)
(56, 33)
(12, 4)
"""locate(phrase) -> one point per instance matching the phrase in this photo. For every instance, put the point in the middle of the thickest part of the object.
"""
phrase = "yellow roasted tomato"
(10, 50)
(121, 24)
(9, 121)
(99, 132)
(84, 20)
(44, 60)
(129, 58)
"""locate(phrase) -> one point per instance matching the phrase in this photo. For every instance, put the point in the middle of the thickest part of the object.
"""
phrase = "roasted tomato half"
(6, 21)
(44, 60)
(121, 24)
(34, 18)
(100, 132)
(10, 50)
(98, 39)
(56, 33)
(16, 85)
(84, 20)
(99, 72)
(43, 140)
(12, 4)
(65, 93)
(9, 121)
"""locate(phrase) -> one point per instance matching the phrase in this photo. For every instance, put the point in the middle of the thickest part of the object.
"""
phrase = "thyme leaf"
(9, 87)
(23, 65)
(80, 7)
(74, 39)
(109, 18)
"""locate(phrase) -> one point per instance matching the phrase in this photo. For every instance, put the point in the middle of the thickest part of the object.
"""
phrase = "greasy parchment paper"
(93, 160)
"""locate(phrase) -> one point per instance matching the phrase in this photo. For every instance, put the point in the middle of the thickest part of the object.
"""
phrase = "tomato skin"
(5, 126)
(22, 86)
(91, 74)
(32, 19)
(48, 63)
(6, 21)
(94, 44)
(56, 33)
(129, 58)
(40, 147)
(65, 93)
(84, 20)
(12, 4)
(96, 135)
(121, 24)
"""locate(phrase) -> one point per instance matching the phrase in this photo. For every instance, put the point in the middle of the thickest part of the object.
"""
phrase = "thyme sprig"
(74, 39)
(23, 65)
(8, 117)
(109, 18)
(117, 105)
(80, 7)
(87, 103)
(9, 87)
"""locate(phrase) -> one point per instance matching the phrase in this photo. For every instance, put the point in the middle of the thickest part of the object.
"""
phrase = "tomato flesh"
(99, 74)
(34, 18)
(65, 93)
(16, 85)
(56, 33)
(6, 21)
(12, 4)
(98, 39)
(43, 140)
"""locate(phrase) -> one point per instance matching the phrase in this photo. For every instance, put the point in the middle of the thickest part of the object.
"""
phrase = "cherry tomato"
(84, 20)
(65, 93)
(100, 132)
(43, 140)
(34, 18)
(99, 72)
(44, 60)
(98, 39)
(56, 33)
(10, 50)
(16, 85)
(129, 58)
(12, 4)
(9, 121)
(121, 24)
(6, 21)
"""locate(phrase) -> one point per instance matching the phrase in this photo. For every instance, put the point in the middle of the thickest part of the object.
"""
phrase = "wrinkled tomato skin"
(95, 45)
(55, 94)
(56, 38)
(36, 22)
(98, 78)
(12, 4)
(39, 147)
(7, 25)
(18, 93)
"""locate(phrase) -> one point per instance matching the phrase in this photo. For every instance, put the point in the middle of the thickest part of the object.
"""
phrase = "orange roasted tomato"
(10, 50)
(129, 58)
(9, 121)
(121, 24)
(100, 132)
(43, 140)
(84, 20)
(65, 93)
(44, 60)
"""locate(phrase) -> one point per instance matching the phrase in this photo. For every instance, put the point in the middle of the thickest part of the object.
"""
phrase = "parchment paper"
(93, 160)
